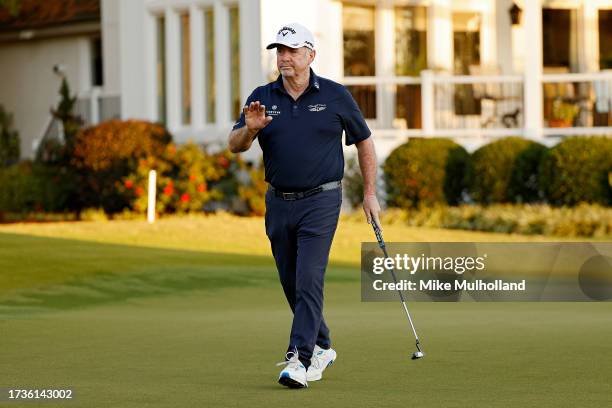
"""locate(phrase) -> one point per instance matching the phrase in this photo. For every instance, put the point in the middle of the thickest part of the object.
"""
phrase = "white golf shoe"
(294, 374)
(321, 359)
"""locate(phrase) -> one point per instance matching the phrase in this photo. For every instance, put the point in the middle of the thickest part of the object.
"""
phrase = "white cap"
(293, 35)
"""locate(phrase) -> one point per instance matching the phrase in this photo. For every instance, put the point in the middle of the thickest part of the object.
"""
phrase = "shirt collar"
(313, 82)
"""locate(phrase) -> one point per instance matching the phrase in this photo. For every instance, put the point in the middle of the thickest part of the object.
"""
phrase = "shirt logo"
(317, 108)
(274, 107)
(273, 111)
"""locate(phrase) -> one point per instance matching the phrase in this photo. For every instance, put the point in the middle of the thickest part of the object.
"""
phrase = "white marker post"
(152, 193)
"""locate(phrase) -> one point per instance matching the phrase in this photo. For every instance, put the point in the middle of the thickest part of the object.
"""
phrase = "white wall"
(111, 45)
(132, 57)
(29, 86)
(322, 17)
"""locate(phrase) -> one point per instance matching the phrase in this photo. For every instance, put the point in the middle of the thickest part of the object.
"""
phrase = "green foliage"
(186, 179)
(506, 171)
(425, 172)
(13, 6)
(577, 170)
(109, 152)
(584, 220)
(9, 140)
(64, 112)
(564, 111)
(28, 187)
(352, 182)
(254, 191)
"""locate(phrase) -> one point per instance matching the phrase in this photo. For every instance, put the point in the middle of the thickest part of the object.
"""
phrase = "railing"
(435, 104)
(577, 103)
(96, 106)
(93, 107)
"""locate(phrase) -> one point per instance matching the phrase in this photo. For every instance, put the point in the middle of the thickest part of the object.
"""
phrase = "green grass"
(189, 312)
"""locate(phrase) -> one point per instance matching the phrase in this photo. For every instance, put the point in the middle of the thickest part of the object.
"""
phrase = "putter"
(381, 243)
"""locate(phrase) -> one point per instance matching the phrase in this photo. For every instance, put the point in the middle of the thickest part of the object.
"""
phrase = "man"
(299, 120)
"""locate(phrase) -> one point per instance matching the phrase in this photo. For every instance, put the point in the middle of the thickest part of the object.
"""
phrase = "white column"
(94, 105)
(440, 35)
(196, 18)
(589, 47)
(150, 41)
(488, 34)
(222, 64)
(110, 44)
(131, 54)
(532, 22)
(427, 102)
(385, 65)
(251, 72)
(503, 28)
(173, 70)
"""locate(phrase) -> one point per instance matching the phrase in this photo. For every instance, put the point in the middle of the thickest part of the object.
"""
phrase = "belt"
(303, 194)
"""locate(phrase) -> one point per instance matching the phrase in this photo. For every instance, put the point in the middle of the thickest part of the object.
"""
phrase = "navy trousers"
(301, 234)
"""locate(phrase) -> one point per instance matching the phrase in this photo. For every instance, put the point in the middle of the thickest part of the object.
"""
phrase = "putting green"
(133, 326)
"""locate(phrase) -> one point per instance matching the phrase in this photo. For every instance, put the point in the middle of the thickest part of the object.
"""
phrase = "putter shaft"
(381, 244)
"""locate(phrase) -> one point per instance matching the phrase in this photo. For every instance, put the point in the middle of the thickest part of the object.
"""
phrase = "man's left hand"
(371, 209)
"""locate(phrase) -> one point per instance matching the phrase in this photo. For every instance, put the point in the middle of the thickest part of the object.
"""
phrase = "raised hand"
(255, 116)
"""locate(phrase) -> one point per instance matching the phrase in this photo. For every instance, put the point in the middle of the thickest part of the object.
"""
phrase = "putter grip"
(379, 237)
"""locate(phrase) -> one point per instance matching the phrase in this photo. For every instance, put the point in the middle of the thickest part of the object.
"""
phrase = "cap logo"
(309, 43)
(286, 30)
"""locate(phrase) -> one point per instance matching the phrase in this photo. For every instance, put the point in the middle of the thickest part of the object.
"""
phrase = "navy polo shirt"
(302, 146)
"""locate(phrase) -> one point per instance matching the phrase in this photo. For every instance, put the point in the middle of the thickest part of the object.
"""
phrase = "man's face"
(293, 61)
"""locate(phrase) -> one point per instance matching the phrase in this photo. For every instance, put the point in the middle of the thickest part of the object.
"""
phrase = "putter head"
(417, 355)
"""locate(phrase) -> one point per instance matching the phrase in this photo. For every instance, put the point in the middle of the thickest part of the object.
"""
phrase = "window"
(236, 103)
(559, 40)
(185, 69)
(359, 56)
(410, 40)
(466, 47)
(605, 39)
(97, 77)
(410, 60)
(161, 69)
(466, 42)
(358, 37)
(209, 65)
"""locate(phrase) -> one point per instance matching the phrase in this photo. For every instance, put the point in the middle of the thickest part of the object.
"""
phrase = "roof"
(36, 14)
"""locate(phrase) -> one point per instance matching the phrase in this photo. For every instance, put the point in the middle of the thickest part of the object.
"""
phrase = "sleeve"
(353, 122)
(254, 96)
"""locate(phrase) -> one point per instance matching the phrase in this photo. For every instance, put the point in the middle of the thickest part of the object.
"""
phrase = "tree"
(9, 140)
(12, 6)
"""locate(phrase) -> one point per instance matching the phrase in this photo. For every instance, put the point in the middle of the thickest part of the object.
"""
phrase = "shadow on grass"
(40, 274)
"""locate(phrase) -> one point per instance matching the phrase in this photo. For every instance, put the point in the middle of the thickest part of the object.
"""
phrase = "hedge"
(506, 170)
(578, 169)
(424, 172)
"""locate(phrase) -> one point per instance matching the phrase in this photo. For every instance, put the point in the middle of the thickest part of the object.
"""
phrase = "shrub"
(30, 187)
(9, 140)
(578, 170)
(506, 171)
(111, 151)
(584, 220)
(353, 182)
(187, 179)
(254, 191)
(425, 172)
